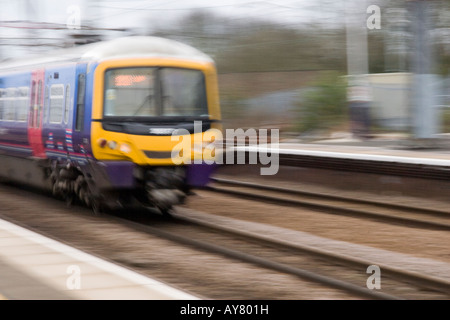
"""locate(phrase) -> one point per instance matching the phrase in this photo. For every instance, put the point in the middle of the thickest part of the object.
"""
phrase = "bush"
(446, 120)
(324, 107)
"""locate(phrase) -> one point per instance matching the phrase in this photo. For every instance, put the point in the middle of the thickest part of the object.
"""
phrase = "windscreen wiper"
(148, 97)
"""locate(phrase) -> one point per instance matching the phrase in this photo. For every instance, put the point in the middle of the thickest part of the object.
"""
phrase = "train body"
(97, 122)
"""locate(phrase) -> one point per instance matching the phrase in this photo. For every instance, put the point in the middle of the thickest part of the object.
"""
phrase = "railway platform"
(379, 148)
(388, 155)
(437, 153)
(34, 267)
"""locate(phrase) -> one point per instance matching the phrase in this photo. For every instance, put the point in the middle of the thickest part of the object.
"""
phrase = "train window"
(148, 92)
(80, 102)
(56, 103)
(183, 92)
(9, 102)
(130, 92)
(22, 104)
(67, 105)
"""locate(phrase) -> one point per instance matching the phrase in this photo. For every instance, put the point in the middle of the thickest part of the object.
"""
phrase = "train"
(99, 123)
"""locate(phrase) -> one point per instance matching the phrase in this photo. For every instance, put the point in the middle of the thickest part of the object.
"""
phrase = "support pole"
(424, 117)
(358, 93)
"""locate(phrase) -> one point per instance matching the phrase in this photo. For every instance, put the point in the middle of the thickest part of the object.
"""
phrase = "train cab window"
(183, 92)
(130, 92)
(56, 103)
(150, 92)
(67, 105)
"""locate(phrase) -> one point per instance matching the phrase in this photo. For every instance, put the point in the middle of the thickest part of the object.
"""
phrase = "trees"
(240, 45)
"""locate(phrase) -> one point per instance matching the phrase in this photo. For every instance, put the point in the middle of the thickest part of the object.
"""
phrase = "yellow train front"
(128, 121)
(154, 108)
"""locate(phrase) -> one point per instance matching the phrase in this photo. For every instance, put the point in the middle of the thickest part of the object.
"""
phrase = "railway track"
(380, 211)
(325, 268)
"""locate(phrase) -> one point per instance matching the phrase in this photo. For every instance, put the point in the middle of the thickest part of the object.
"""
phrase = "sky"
(120, 13)
(137, 15)
(140, 15)
(160, 10)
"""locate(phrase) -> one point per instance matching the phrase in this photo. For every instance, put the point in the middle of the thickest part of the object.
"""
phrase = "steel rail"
(426, 281)
(249, 258)
(329, 208)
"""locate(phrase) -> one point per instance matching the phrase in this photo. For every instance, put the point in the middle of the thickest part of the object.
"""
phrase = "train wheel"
(96, 207)
(166, 212)
(69, 200)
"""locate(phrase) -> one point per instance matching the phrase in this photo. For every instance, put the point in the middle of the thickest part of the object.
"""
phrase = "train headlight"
(101, 142)
(125, 148)
(112, 145)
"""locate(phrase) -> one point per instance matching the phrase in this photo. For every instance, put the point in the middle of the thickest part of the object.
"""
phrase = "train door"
(81, 132)
(36, 113)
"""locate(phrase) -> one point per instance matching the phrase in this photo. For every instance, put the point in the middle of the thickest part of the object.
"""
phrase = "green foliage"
(446, 120)
(324, 107)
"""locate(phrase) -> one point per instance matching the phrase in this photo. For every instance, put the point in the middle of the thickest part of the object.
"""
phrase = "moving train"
(99, 123)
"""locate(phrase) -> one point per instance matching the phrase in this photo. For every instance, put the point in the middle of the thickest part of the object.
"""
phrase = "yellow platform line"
(2, 297)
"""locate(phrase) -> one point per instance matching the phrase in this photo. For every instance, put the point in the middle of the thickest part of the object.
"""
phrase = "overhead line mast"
(425, 124)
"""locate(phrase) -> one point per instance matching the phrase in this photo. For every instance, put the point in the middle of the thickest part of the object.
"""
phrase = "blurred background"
(295, 65)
